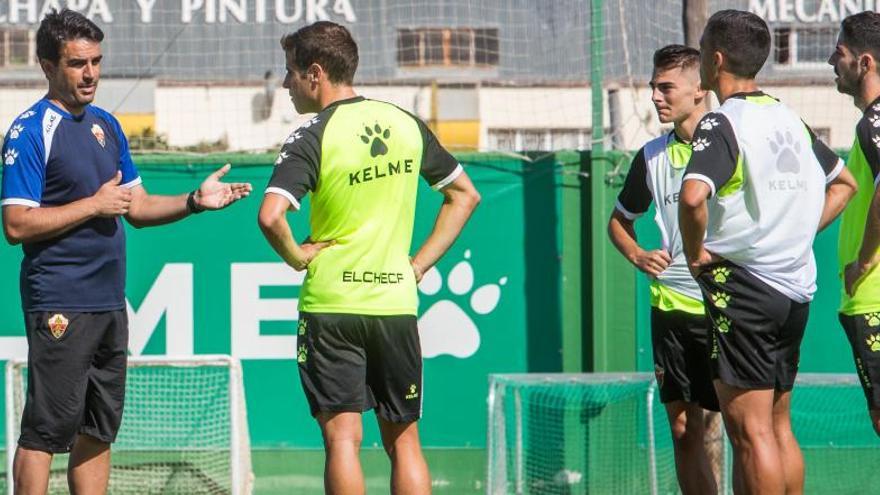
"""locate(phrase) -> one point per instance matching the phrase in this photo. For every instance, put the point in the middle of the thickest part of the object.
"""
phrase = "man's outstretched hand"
(215, 195)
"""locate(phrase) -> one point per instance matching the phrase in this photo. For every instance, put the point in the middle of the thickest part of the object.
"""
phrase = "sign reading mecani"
(809, 11)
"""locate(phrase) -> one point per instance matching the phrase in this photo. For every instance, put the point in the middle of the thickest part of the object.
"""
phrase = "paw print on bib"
(786, 150)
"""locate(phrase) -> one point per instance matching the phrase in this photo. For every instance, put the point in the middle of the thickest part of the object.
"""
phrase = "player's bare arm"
(623, 235)
(150, 209)
(273, 223)
(26, 224)
(868, 257)
(837, 194)
(460, 198)
(693, 217)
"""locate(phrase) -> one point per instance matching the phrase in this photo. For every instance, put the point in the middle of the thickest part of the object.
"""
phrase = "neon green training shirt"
(864, 164)
(360, 159)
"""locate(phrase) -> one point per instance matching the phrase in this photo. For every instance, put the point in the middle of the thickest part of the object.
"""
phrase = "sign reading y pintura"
(190, 11)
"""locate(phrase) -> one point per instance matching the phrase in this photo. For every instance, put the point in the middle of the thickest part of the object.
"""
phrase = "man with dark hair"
(678, 321)
(756, 190)
(358, 345)
(855, 61)
(68, 177)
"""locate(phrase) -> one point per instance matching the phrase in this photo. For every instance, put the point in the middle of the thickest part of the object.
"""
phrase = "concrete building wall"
(254, 118)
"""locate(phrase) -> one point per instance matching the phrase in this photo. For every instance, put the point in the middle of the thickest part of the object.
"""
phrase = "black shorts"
(681, 358)
(863, 332)
(756, 330)
(354, 363)
(76, 378)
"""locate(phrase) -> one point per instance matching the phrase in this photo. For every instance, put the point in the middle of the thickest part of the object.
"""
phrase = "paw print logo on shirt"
(293, 137)
(876, 139)
(873, 342)
(281, 157)
(10, 157)
(874, 120)
(378, 137)
(27, 115)
(872, 319)
(709, 123)
(312, 121)
(701, 143)
(16, 131)
(720, 299)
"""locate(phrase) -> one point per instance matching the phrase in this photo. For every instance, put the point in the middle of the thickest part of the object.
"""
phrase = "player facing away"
(68, 178)
(855, 60)
(358, 345)
(678, 322)
(756, 190)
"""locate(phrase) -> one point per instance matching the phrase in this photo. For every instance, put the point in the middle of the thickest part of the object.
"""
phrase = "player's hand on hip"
(112, 200)
(418, 271)
(307, 252)
(652, 262)
(704, 259)
(852, 276)
(214, 194)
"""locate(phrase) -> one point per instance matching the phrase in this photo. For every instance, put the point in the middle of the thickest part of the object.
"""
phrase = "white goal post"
(184, 429)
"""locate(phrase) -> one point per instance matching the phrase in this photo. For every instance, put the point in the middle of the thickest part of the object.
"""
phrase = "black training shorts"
(353, 363)
(863, 332)
(681, 358)
(75, 378)
(756, 330)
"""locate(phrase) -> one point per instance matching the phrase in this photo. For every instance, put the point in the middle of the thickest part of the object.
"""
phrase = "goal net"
(608, 433)
(184, 430)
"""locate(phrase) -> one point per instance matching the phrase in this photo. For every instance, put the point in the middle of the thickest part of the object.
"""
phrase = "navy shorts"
(75, 378)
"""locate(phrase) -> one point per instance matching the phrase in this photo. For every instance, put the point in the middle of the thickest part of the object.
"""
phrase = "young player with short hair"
(679, 331)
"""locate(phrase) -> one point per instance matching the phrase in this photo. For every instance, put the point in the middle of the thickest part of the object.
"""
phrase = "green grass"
(462, 471)
(286, 471)
(457, 471)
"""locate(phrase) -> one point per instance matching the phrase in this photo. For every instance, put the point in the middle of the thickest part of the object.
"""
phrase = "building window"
(447, 47)
(17, 47)
(798, 46)
(538, 139)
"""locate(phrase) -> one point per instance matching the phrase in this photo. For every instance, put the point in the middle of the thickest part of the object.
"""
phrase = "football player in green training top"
(678, 319)
(855, 60)
(358, 345)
